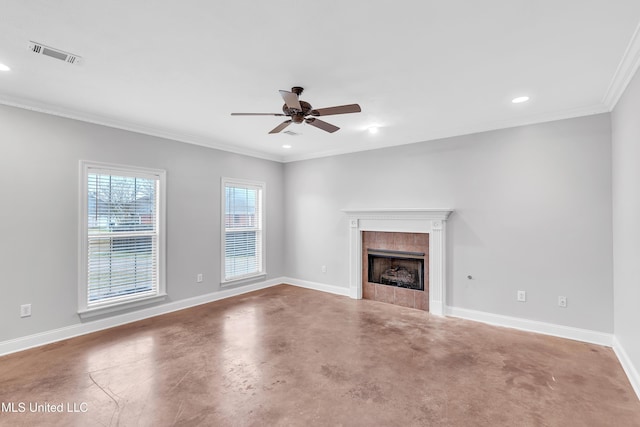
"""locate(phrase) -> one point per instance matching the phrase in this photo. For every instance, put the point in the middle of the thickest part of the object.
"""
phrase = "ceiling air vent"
(54, 53)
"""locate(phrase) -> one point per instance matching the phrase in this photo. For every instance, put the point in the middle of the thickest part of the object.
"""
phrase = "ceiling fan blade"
(342, 109)
(281, 126)
(258, 114)
(291, 99)
(322, 125)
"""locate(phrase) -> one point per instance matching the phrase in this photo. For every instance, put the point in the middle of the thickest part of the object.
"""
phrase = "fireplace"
(396, 268)
(431, 222)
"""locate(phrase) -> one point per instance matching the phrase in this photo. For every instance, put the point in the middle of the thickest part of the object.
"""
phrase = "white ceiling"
(420, 69)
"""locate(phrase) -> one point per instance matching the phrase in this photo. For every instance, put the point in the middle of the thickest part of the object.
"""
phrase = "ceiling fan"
(300, 110)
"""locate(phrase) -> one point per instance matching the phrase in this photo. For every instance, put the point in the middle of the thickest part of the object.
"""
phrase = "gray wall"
(532, 212)
(39, 157)
(626, 220)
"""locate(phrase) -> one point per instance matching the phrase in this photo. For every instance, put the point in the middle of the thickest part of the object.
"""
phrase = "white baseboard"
(627, 365)
(35, 340)
(585, 335)
(48, 337)
(54, 335)
(332, 289)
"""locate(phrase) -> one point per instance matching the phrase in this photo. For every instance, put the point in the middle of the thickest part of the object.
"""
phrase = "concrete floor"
(291, 356)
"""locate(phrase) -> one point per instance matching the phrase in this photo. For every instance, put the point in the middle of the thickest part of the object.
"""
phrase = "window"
(242, 229)
(121, 237)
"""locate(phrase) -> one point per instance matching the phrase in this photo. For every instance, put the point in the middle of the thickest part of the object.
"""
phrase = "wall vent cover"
(41, 49)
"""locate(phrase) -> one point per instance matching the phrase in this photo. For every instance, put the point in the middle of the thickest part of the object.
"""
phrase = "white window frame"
(87, 167)
(262, 187)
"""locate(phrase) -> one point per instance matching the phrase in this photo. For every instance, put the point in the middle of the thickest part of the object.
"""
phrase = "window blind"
(122, 236)
(243, 231)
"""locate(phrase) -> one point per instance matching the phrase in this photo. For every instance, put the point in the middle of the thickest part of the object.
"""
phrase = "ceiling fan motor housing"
(298, 116)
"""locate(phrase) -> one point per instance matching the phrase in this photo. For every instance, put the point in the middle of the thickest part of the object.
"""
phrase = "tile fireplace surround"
(411, 244)
(431, 221)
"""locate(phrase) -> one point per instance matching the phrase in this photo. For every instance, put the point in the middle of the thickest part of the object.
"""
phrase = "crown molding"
(132, 127)
(465, 130)
(208, 143)
(624, 73)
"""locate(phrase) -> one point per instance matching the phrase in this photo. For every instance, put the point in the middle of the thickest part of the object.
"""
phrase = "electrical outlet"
(562, 301)
(25, 310)
(522, 296)
(199, 278)
(324, 268)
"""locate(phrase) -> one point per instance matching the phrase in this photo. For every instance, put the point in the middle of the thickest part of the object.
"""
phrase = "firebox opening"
(396, 268)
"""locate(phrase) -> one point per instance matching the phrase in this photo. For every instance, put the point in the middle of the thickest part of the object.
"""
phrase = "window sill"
(243, 280)
(98, 311)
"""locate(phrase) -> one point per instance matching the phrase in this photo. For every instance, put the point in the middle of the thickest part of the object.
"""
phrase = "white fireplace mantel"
(412, 220)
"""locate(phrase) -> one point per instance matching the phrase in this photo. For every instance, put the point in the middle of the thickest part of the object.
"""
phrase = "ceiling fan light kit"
(299, 112)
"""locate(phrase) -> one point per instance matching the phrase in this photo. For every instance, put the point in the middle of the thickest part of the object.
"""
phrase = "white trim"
(244, 280)
(262, 193)
(209, 143)
(124, 305)
(627, 365)
(577, 334)
(160, 176)
(435, 134)
(183, 137)
(409, 220)
(48, 337)
(322, 287)
(401, 213)
(627, 68)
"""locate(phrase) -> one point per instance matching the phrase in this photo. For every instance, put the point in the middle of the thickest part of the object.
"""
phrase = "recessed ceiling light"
(4, 67)
(520, 99)
(286, 146)
(373, 129)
